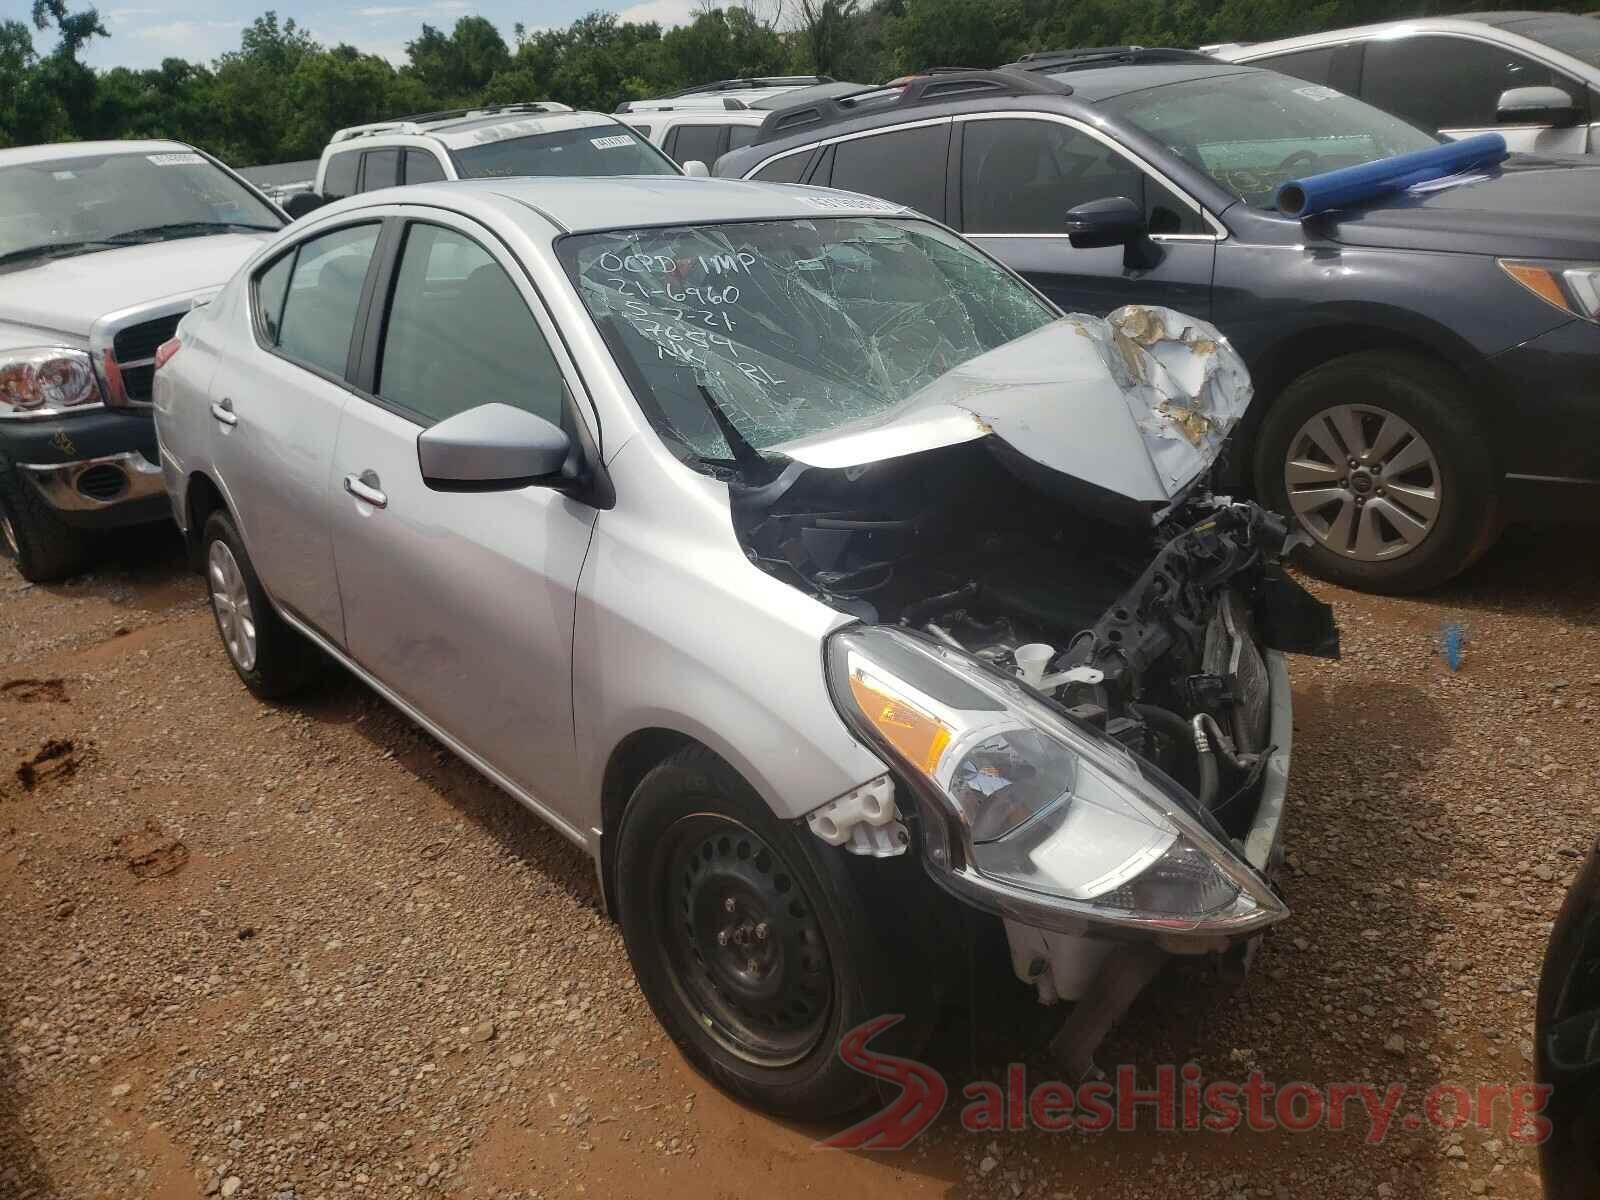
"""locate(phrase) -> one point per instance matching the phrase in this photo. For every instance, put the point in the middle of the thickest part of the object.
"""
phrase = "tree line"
(280, 95)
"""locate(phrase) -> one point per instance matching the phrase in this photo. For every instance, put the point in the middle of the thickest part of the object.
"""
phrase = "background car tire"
(281, 660)
(1435, 420)
(45, 547)
(696, 785)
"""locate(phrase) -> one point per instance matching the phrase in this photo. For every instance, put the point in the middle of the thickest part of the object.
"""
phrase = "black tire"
(695, 800)
(45, 547)
(284, 661)
(1433, 401)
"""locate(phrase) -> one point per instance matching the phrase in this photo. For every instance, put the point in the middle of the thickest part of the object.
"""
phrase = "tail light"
(116, 390)
(166, 350)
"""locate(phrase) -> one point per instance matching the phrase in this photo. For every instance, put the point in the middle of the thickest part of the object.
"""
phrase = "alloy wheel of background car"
(231, 601)
(1422, 428)
(744, 946)
(1363, 482)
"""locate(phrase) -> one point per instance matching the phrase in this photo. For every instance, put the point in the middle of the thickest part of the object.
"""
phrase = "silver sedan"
(843, 598)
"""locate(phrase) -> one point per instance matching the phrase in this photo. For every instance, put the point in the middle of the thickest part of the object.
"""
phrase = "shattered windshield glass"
(794, 327)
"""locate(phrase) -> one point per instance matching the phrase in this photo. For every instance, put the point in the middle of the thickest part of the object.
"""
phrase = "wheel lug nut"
(727, 905)
(722, 937)
(752, 966)
(761, 932)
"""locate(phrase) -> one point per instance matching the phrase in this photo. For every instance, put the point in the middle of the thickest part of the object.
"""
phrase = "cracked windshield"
(791, 328)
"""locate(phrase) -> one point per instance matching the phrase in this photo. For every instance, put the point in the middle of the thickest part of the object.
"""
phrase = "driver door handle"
(365, 487)
(222, 410)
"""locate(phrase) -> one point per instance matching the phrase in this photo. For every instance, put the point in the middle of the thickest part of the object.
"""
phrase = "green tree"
(456, 68)
(60, 74)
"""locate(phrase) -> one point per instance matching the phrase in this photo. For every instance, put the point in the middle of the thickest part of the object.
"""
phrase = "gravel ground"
(305, 952)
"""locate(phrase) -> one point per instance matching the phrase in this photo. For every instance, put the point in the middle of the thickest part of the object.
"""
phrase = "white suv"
(703, 123)
(534, 138)
(1531, 76)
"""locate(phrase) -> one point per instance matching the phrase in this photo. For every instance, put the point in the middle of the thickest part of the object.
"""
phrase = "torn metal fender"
(1138, 404)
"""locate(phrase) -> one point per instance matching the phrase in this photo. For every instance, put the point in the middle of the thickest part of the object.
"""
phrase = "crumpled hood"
(65, 296)
(1138, 404)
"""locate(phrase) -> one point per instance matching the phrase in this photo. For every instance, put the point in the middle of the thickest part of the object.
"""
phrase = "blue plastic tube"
(1360, 184)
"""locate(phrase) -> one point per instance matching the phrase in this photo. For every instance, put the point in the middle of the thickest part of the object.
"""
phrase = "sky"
(143, 32)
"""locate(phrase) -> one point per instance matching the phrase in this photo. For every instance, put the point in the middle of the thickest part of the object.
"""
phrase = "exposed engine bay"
(1152, 633)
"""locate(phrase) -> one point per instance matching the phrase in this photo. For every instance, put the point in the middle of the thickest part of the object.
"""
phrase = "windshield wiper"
(183, 229)
(754, 469)
(52, 250)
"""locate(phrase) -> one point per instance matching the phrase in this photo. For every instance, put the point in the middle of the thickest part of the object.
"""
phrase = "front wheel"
(46, 548)
(1379, 459)
(748, 940)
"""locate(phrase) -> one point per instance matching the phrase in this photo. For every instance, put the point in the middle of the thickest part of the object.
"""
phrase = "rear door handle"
(365, 487)
(222, 410)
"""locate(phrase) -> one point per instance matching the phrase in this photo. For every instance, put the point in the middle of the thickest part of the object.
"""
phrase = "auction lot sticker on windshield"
(177, 158)
(851, 204)
(611, 143)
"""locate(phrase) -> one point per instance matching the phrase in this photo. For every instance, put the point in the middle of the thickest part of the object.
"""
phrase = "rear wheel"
(1381, 463)
(273, 659)
(748, 939)
(45, 548)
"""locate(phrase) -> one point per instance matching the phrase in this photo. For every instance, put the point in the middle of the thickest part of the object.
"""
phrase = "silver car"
(844, 600)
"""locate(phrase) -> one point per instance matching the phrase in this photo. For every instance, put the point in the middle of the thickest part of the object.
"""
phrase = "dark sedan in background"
(1568, 1032)
(1426, 367)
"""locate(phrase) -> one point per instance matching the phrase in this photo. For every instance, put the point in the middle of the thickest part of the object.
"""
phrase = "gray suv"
(801, 564)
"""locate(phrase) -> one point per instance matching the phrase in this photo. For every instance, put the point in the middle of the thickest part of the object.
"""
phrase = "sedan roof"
(588, 205)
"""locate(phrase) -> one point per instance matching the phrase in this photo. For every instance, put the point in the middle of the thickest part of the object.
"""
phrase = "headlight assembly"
(1574, 290)
(1031, 815)
(44, 381)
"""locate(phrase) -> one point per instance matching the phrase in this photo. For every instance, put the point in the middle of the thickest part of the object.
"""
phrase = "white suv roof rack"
(417, 123)
(685, 104)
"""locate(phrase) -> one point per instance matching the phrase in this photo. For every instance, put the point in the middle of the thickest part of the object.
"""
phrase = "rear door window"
(422, 166)
(459, 334)
(379, 169)
(271, 287)
(1314, 66)
(906, 166)
(702, 142)
(339, 180)
(1441, 82)
(319, 312)
(742, 135)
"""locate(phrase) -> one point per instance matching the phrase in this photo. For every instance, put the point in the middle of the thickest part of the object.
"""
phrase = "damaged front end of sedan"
(1067, 648)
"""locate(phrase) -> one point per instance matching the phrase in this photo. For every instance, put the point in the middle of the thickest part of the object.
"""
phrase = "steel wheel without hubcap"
(743, 946)
(231, 601)
(1363, 482)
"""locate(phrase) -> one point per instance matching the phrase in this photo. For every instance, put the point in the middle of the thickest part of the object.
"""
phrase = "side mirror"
(493, 447)
(1114, 221)
(1537, 106)
(301, 203)
(695, 169)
